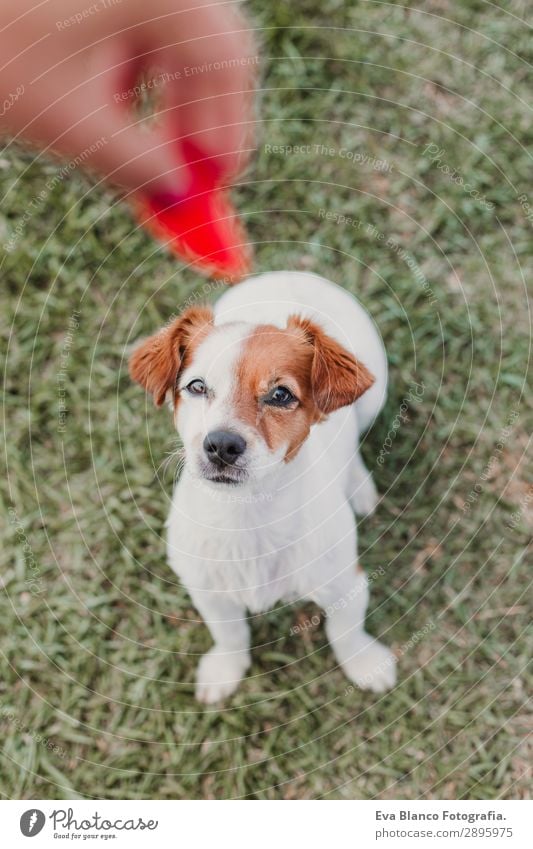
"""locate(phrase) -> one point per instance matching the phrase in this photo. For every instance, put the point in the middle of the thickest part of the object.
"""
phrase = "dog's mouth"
(228, 476)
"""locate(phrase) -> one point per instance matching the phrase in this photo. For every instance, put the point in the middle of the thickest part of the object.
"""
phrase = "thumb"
(122, 148)
(133, 157)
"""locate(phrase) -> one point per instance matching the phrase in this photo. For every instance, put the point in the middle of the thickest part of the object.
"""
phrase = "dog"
(270, 392)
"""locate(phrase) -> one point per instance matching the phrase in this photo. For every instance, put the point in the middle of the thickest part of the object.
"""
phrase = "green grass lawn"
(99, 644)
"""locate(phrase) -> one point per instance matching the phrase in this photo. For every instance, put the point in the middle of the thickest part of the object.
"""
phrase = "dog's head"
(245, 396)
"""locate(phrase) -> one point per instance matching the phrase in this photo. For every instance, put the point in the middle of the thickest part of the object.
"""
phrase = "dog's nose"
(224, 447)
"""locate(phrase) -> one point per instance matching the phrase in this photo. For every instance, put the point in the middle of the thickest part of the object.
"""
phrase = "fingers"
(70, 105)
(209, 95)
(130, 154)
(209, 83)
(71, 109)
(138, 161)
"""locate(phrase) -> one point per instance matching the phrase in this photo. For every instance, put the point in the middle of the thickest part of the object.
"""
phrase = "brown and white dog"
(270, 392)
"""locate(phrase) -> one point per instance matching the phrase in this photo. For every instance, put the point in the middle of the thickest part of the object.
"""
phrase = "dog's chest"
(257, 583)
(257, 559)
(258, 568)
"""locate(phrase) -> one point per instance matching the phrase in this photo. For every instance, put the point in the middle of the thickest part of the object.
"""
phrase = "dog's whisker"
(178, 454)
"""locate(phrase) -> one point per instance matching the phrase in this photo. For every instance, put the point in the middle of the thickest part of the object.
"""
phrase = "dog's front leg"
(366, 662)
(221, 669)
(362, 493)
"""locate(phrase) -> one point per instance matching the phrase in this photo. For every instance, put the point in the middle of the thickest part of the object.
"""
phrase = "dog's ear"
(156, 362)
(337, 377)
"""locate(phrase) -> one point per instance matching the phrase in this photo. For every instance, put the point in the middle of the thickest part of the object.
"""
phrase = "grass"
(99, 651)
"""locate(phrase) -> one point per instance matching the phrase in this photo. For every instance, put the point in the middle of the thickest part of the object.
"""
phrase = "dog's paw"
(372, 667)
(219, 674)
(366, 497)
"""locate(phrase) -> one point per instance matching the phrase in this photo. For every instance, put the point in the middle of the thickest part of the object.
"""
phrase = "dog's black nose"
(224, 447)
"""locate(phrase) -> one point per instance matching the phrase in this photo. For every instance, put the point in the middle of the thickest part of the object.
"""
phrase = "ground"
(411, 188)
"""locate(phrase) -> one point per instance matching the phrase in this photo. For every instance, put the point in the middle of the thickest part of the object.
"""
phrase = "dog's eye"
(280, 397)
(196, 387)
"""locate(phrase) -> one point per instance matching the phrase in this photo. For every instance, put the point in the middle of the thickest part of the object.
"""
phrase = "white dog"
(270, 393)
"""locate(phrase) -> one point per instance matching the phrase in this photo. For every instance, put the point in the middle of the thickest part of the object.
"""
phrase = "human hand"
(68, 68)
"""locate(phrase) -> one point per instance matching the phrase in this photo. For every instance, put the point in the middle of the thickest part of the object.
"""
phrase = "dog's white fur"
(278, 524)
(288, 532)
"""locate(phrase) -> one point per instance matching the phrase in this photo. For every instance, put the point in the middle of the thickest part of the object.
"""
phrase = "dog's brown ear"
(337, 377)
(156, 362)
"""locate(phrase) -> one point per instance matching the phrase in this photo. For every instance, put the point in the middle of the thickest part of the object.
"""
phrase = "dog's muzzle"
(223, 448)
